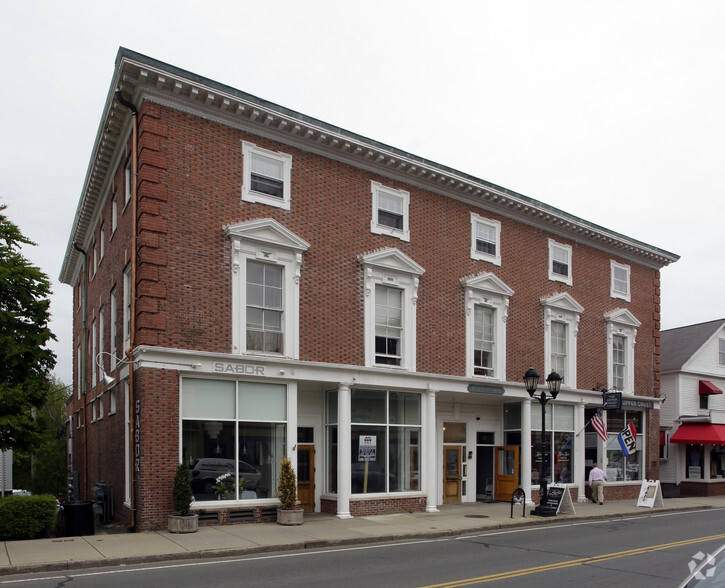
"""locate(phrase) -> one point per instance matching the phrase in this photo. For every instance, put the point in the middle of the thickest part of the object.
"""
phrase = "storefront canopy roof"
(700, 434)
(708, 388)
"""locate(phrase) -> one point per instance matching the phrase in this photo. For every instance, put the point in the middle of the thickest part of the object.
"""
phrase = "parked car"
(206, 470)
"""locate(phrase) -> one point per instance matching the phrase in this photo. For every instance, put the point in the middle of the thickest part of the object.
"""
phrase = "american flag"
(599, 426)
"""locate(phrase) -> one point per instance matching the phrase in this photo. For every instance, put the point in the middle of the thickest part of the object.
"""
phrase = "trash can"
(78, 518)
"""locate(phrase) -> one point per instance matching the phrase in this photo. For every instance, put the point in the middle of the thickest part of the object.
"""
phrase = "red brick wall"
(359, 508)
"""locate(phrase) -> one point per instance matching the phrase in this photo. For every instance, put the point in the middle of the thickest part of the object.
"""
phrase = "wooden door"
(507, 472)
(451, 474)
(306, 477)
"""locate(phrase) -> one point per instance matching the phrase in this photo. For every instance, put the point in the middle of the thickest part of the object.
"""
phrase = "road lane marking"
(572, 563)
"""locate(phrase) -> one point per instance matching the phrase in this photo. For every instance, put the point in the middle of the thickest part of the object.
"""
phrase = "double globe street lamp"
(553, 381)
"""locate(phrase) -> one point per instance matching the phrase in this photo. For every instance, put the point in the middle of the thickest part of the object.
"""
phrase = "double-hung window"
(560, 262)
(127, 308)
(267, 176)
(264, 307)
(391, 290)
(487, 299)
(388, 324)
(620, 281)
(266, 271)
(485, 239)
(621, 333)
(721, 352)
(390, 211)
(561, 326)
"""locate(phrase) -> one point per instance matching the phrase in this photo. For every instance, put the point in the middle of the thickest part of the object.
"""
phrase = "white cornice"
(146, 79)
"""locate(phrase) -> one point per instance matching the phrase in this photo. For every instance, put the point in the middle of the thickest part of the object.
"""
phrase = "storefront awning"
(700, 434)
(708, 388)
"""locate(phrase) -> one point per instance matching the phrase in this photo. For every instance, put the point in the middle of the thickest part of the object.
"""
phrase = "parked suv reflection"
(205, 471)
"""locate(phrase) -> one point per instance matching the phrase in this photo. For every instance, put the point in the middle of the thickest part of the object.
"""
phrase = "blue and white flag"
(628, 440)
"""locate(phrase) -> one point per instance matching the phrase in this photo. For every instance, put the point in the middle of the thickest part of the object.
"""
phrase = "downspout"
(82, 383)
(132, 343)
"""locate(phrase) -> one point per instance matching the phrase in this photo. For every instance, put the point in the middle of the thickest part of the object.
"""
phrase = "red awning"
(708, 388)
(700, 434)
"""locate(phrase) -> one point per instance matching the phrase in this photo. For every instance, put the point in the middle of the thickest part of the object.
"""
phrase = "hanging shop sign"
(611, 400)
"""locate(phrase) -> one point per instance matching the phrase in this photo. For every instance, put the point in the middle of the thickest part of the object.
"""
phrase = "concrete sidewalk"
(107, 548)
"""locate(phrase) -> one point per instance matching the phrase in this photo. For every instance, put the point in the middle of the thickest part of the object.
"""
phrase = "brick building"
(251, 282)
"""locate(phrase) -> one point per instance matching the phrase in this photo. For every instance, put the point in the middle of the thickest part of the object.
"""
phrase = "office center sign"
(367, 448)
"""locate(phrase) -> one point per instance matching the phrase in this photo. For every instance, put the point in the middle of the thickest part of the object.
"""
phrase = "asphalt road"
(640, 551)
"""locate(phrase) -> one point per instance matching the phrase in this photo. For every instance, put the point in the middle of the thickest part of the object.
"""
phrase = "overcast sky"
(611, 111)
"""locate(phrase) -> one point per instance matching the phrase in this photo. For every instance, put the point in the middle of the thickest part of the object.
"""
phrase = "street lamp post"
(553, 381)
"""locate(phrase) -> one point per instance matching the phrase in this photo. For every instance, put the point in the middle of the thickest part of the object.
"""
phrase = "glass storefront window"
(717, 462)
(619, 466)
(230, 438)
(694, 462)
(385, 441)
(558, 446)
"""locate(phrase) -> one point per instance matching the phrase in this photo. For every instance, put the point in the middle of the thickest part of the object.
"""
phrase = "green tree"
(44, 470)
(25, 360)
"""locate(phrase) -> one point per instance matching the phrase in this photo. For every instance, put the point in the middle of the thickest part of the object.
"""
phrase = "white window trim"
(390, 267)
(403, 234)
(554, 277)
(562, 308)
(126, 308)
(249, 195)
(127, 181)
(494, 224)
(113, 328)
(114, 215)
(621, 322)
(614, 294)
(720, 344)
(94, 352)
(487, 290)
(267, 241)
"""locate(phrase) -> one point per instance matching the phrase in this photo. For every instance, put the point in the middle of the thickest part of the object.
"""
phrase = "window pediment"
(389, 258)
(487, 282)
(622, 316)
(563, 302)
(268, 232)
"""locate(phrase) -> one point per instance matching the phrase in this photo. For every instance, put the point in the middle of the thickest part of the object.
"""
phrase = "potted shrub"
(183, 497)
(288, 513)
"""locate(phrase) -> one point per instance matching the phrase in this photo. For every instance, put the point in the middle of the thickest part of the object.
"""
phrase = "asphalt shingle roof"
(680, 344)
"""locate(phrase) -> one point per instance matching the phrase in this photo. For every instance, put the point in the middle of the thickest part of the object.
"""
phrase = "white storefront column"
(429, 462)
(580, 445)
(526, 449)
(344, 447)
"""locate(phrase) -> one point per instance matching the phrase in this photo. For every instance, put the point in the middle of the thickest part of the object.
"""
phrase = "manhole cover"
(476, 516)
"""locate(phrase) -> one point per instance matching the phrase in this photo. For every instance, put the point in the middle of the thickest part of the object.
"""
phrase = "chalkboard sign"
(553, 498)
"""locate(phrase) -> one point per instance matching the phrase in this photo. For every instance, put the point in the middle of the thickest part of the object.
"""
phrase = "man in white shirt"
(597, 477)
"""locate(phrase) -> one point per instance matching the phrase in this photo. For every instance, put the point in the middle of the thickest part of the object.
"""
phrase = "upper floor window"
(391, 293)
(102, 242)
(561, 327)
(620, 281)
(560, 262)
(127, 308)
(267, 176)
(264, 307)
(621, 333)
(112, 337)
(266, 266)
(388, 324)
(127, 182)
(114, 215)
(390, 211)
(721, 352)
(487, 300)
(485, 239)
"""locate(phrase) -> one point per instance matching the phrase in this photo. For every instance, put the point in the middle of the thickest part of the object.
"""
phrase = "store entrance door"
(306, 477)
(451, 473)
(507, 472)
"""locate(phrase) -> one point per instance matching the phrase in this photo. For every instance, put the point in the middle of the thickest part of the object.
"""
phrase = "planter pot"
(290, 517)
(187, 524)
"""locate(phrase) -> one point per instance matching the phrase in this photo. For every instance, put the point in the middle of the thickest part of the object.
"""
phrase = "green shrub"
(181, 493)
(27, 517)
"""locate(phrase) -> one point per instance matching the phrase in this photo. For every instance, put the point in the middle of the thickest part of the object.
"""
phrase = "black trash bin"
(78, 518)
